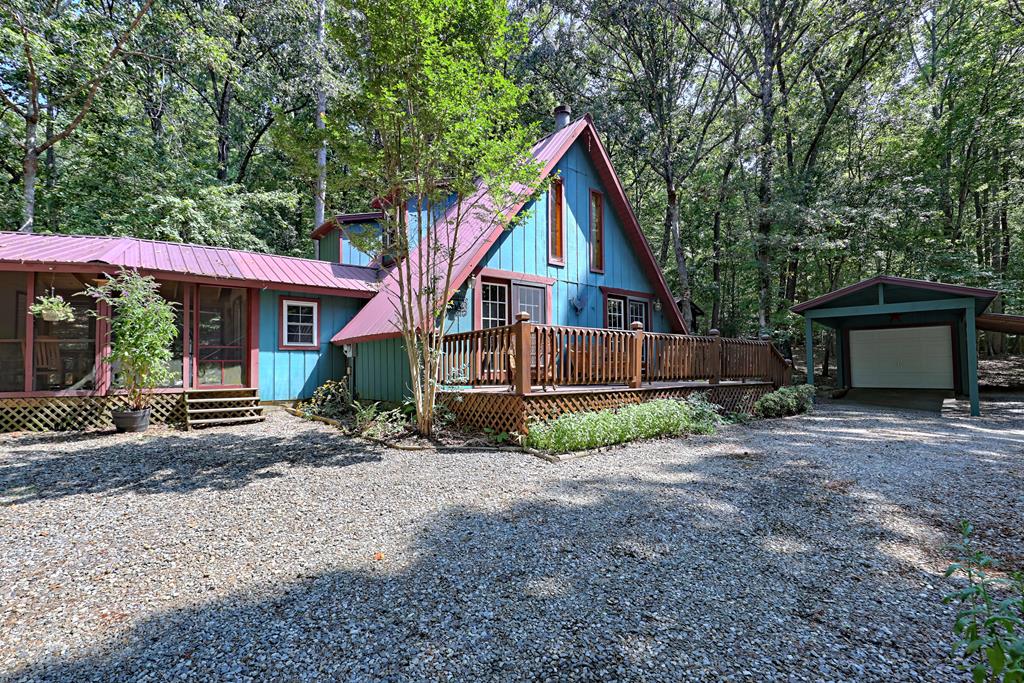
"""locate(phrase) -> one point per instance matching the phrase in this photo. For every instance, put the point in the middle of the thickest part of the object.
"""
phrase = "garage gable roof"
(897, 289)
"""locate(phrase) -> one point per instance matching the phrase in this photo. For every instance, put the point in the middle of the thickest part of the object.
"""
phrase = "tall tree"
(53, 60)
(431, 116)
(651, 63)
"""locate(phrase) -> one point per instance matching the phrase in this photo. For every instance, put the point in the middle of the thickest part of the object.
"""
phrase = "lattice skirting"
(507, 412)
(74, 413)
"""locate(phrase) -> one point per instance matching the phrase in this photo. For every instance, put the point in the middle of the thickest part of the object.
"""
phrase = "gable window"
(556, 220)
(300, 324)
(596, 231)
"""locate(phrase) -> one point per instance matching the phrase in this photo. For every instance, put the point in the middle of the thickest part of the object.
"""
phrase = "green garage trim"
(873, 310)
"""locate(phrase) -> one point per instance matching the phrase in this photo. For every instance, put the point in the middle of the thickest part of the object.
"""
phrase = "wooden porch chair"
(46, 355)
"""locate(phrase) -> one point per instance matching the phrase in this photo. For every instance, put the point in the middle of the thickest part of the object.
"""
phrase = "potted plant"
(142, 330)
(52, 308)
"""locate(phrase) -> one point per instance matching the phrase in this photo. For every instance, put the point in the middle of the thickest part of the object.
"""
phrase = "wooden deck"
(504, 378)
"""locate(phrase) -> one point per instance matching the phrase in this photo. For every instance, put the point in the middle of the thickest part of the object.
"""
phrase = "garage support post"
(809, 329)
(972, 359)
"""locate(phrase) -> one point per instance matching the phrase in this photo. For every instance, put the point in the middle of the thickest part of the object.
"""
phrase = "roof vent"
(562, 113)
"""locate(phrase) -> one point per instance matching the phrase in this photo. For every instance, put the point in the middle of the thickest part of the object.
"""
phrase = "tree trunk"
(320, 200)
(766, 167)
(716, 246)
(672, 225)
(30, 171)
(224, 132)
(51, 168)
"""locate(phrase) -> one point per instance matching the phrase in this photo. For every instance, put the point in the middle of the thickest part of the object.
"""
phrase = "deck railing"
(574, 356)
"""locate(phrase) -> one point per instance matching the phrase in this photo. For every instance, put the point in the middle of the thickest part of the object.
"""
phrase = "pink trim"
(30, 332)
(186, 356)
(977, 292)
(497, 274)
(281, 320)
(613, 291)
(253, 340)
(103, 376)
(600, 226)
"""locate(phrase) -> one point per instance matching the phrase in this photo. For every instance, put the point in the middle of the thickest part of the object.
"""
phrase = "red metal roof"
(478, 232)
(190, 260)
(956, 290)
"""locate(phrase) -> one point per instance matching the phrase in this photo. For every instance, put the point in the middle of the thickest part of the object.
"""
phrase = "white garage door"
(902, 358)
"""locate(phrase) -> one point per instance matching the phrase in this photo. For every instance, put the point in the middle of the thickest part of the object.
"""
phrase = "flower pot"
(131, 420)
(51, 316)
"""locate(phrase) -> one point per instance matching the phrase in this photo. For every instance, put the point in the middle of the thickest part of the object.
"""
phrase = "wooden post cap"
(636, 325)
(714, 333)
(523, 316)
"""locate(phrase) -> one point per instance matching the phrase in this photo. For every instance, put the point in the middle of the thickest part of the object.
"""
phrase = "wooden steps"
(209, 407)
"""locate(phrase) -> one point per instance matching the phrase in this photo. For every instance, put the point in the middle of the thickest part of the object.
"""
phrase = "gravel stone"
(803, 549)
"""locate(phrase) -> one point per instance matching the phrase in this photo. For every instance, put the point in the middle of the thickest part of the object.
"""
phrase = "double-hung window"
(300, 324)
(497, 309)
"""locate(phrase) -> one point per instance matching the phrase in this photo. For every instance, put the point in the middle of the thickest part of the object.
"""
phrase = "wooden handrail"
(559, 355)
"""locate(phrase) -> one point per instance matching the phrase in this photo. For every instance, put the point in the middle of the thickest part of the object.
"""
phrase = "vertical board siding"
(524, 249)
(381, 370)
(329, 246)
(286, 375)
(349, 254)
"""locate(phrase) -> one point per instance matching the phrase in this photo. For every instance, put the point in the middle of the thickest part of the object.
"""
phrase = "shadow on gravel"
(172, 463)
(684, 574)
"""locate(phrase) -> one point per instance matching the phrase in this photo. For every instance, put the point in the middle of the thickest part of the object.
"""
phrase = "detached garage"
(896, 333)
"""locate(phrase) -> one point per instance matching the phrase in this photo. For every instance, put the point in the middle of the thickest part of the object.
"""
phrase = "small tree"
(142, 329)
(431, 115)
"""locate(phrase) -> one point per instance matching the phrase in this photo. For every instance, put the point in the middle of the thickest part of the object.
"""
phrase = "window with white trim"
(301, 322)
(638, 312)
(616, 313)
(494, 298)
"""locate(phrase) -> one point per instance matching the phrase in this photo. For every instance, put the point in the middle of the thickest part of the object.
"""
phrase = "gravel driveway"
(802, 549)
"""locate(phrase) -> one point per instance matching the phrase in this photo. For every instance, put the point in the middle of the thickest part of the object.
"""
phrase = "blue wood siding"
(286, 375)
(349, 254)
(382, 370)
(524, 249)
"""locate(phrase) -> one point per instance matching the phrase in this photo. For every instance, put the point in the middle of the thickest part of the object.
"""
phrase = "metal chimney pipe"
(562, 114)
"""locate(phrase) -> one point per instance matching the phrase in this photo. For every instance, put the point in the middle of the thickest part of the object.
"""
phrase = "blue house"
(259, 327)
(577, 257)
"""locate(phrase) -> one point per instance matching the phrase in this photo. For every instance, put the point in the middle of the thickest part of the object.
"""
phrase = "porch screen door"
(220, 337)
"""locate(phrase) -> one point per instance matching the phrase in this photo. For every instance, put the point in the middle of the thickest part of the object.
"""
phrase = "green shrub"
(374, 423)
(665, 417)
(142, 332)
(332, 399)
(990, 618)
(785, 401)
